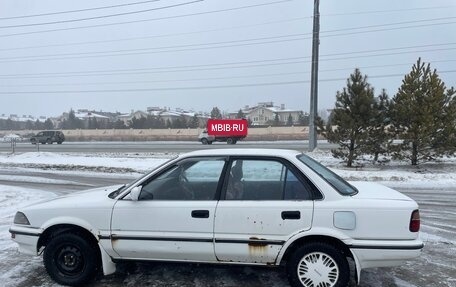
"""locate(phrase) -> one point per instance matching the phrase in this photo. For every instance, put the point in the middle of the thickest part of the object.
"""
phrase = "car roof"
(243, 152)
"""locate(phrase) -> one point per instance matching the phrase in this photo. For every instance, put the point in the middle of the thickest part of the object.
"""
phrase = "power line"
(231, 28)
(202, 67)
(99, 54)
(147, 50)
(154, 36)
(388, 49)
(389, 54)
(174, 69)
(77, 10)
(218, 78)
(387, 11)
(389, 24)
(131, 51)
(166, 81)
(126, 52)
(145, 20)
(99, 17)
(388, 29)
(192, 87)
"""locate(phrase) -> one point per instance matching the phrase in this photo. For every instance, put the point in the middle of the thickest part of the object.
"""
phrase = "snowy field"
(24, 178)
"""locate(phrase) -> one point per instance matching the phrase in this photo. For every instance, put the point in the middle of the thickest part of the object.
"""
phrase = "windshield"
(118, 191)
(333, 179)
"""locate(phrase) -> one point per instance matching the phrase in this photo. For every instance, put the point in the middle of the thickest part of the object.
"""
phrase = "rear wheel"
(70, 259)
(204, 141)
(318, 264)
(59, 142)
(230, 141)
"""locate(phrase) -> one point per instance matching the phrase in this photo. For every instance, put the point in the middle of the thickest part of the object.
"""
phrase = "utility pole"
(314, 77)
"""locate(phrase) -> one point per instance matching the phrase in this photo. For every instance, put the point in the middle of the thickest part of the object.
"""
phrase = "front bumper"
(26, 238)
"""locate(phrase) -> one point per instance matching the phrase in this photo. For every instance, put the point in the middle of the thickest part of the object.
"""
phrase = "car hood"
(370, 190)
(78, 199)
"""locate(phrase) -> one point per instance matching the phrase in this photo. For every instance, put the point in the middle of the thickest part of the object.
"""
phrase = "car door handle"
(291, 215)
(200, 213)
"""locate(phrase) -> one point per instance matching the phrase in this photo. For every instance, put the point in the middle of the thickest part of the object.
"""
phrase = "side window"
(264, 180)
(190, 180)
(40, 134)
(294, 189)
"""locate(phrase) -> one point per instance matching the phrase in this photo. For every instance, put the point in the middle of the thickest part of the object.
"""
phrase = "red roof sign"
(217, 127)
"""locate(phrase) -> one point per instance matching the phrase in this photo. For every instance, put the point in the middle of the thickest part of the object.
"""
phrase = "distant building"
(127, 118)
(167, 115)
(87, 116)
(264, 113)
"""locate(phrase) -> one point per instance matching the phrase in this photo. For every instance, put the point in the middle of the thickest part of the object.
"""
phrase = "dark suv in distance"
(48, 137)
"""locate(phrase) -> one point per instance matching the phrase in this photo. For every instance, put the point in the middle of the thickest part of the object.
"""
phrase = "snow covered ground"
(395, 173)
(433, 185)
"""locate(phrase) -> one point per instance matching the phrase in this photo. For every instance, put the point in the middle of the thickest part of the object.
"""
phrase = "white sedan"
(230, 206)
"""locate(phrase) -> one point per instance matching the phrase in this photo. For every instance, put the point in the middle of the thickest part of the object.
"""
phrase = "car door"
(266, 201)
(173, 218)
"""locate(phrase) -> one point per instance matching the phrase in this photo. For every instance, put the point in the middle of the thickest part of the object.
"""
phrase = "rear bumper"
(370, 253)
(26, 238)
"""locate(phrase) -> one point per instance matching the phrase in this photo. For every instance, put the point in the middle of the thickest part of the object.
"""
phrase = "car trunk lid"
(370, 190)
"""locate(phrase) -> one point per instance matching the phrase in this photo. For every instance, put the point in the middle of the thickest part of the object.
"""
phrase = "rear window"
(333, 179)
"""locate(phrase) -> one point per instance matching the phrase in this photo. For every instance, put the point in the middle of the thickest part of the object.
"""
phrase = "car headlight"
(20, 218)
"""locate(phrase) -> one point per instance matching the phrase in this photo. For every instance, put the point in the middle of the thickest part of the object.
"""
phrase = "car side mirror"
(134, 193)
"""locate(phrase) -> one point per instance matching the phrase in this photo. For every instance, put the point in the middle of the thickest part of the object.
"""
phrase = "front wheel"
(49, 141)
(204, 141)
(230, 141)
(318, 264)
(70, 259)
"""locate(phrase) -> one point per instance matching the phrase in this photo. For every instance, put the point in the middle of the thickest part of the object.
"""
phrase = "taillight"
(415, 221)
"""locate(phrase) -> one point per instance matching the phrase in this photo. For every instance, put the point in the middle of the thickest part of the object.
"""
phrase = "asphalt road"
(435, 267)
(155, 147)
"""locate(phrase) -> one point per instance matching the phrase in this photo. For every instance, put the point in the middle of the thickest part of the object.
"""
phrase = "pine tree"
(289, 120)
(240, 114)
(73, 122)
(276, 120)
(422, 114)
(215, 113)
(379, 137)
(351, 118)
(119, 125)
(303, 119)
(194, 122)
(29, 125)
(48, 124)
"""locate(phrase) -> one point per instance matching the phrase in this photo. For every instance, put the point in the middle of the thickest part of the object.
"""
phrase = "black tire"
(209, 142)
(301, 266)
(33, 141)
(59, 142)
(71, 260)
(230, 141)
(49, 141)
(204, 141)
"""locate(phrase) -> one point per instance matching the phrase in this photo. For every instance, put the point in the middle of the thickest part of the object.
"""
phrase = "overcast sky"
(195, 55)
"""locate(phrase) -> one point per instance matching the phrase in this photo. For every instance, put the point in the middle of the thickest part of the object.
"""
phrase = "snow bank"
(124, 163)
(393, 173)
